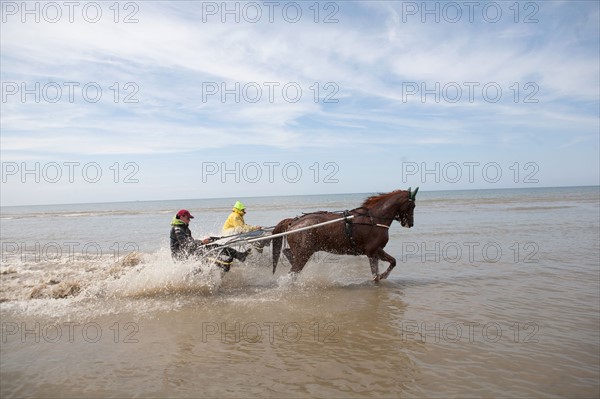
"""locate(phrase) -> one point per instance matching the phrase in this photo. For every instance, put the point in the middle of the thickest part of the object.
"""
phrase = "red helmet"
(184, 212)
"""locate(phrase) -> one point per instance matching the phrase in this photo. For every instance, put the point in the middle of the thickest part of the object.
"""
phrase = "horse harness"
(349, 226)
(349, 223)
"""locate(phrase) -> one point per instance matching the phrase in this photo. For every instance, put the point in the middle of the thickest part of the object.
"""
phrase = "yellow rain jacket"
(235, 223)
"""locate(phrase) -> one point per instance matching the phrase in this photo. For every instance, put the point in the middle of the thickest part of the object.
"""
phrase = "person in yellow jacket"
(235, 223)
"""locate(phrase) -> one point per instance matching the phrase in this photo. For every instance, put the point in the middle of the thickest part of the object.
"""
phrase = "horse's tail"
(278, 241)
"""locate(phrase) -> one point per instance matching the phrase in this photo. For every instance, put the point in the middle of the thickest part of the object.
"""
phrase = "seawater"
(496, 293)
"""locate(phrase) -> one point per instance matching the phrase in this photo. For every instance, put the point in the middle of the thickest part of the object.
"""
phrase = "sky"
(150, 100)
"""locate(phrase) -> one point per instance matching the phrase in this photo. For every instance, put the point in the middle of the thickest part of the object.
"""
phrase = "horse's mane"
(376, 199)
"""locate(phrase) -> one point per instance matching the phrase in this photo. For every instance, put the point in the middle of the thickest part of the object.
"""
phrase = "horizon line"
(290, 195)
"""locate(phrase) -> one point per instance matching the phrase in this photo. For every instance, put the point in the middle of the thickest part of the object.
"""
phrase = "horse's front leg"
(374, 263)
(381, 254)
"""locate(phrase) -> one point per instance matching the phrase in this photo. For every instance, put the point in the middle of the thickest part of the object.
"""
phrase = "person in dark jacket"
(185, 247)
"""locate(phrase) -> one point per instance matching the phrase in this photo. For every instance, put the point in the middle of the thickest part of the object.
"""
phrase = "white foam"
(159, 275)
(157, 283)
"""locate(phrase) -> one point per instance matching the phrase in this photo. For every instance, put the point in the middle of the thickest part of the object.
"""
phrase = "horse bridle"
(402, 218)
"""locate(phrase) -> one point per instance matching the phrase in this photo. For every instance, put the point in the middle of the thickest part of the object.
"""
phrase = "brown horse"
(365, 234)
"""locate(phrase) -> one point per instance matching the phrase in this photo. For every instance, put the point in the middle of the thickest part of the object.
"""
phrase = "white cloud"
(170, 56)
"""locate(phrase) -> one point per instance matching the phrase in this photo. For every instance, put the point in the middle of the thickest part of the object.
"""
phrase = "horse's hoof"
(376, 277)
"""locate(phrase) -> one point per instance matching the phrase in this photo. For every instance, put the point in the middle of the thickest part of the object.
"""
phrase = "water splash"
(146, 282)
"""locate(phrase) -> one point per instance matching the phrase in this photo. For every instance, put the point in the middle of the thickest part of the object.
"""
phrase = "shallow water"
(496, 294)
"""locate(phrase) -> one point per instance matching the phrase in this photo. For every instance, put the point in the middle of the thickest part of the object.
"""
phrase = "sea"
(496, 293)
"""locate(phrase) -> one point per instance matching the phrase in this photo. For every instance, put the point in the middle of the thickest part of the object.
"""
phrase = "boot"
(241, 256)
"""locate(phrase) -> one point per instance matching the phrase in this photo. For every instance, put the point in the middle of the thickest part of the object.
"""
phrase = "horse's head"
(406, 208)
(397, 205)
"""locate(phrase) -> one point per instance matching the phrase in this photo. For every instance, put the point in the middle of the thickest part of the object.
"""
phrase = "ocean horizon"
(421, 191)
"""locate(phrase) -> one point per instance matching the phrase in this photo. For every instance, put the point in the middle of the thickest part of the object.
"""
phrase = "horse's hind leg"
(289, 255)
(298, 262)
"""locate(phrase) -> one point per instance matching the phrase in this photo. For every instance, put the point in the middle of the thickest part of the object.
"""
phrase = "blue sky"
(174, 100)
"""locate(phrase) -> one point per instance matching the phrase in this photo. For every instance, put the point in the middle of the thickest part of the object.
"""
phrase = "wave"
(94, 213)
(538, 208)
